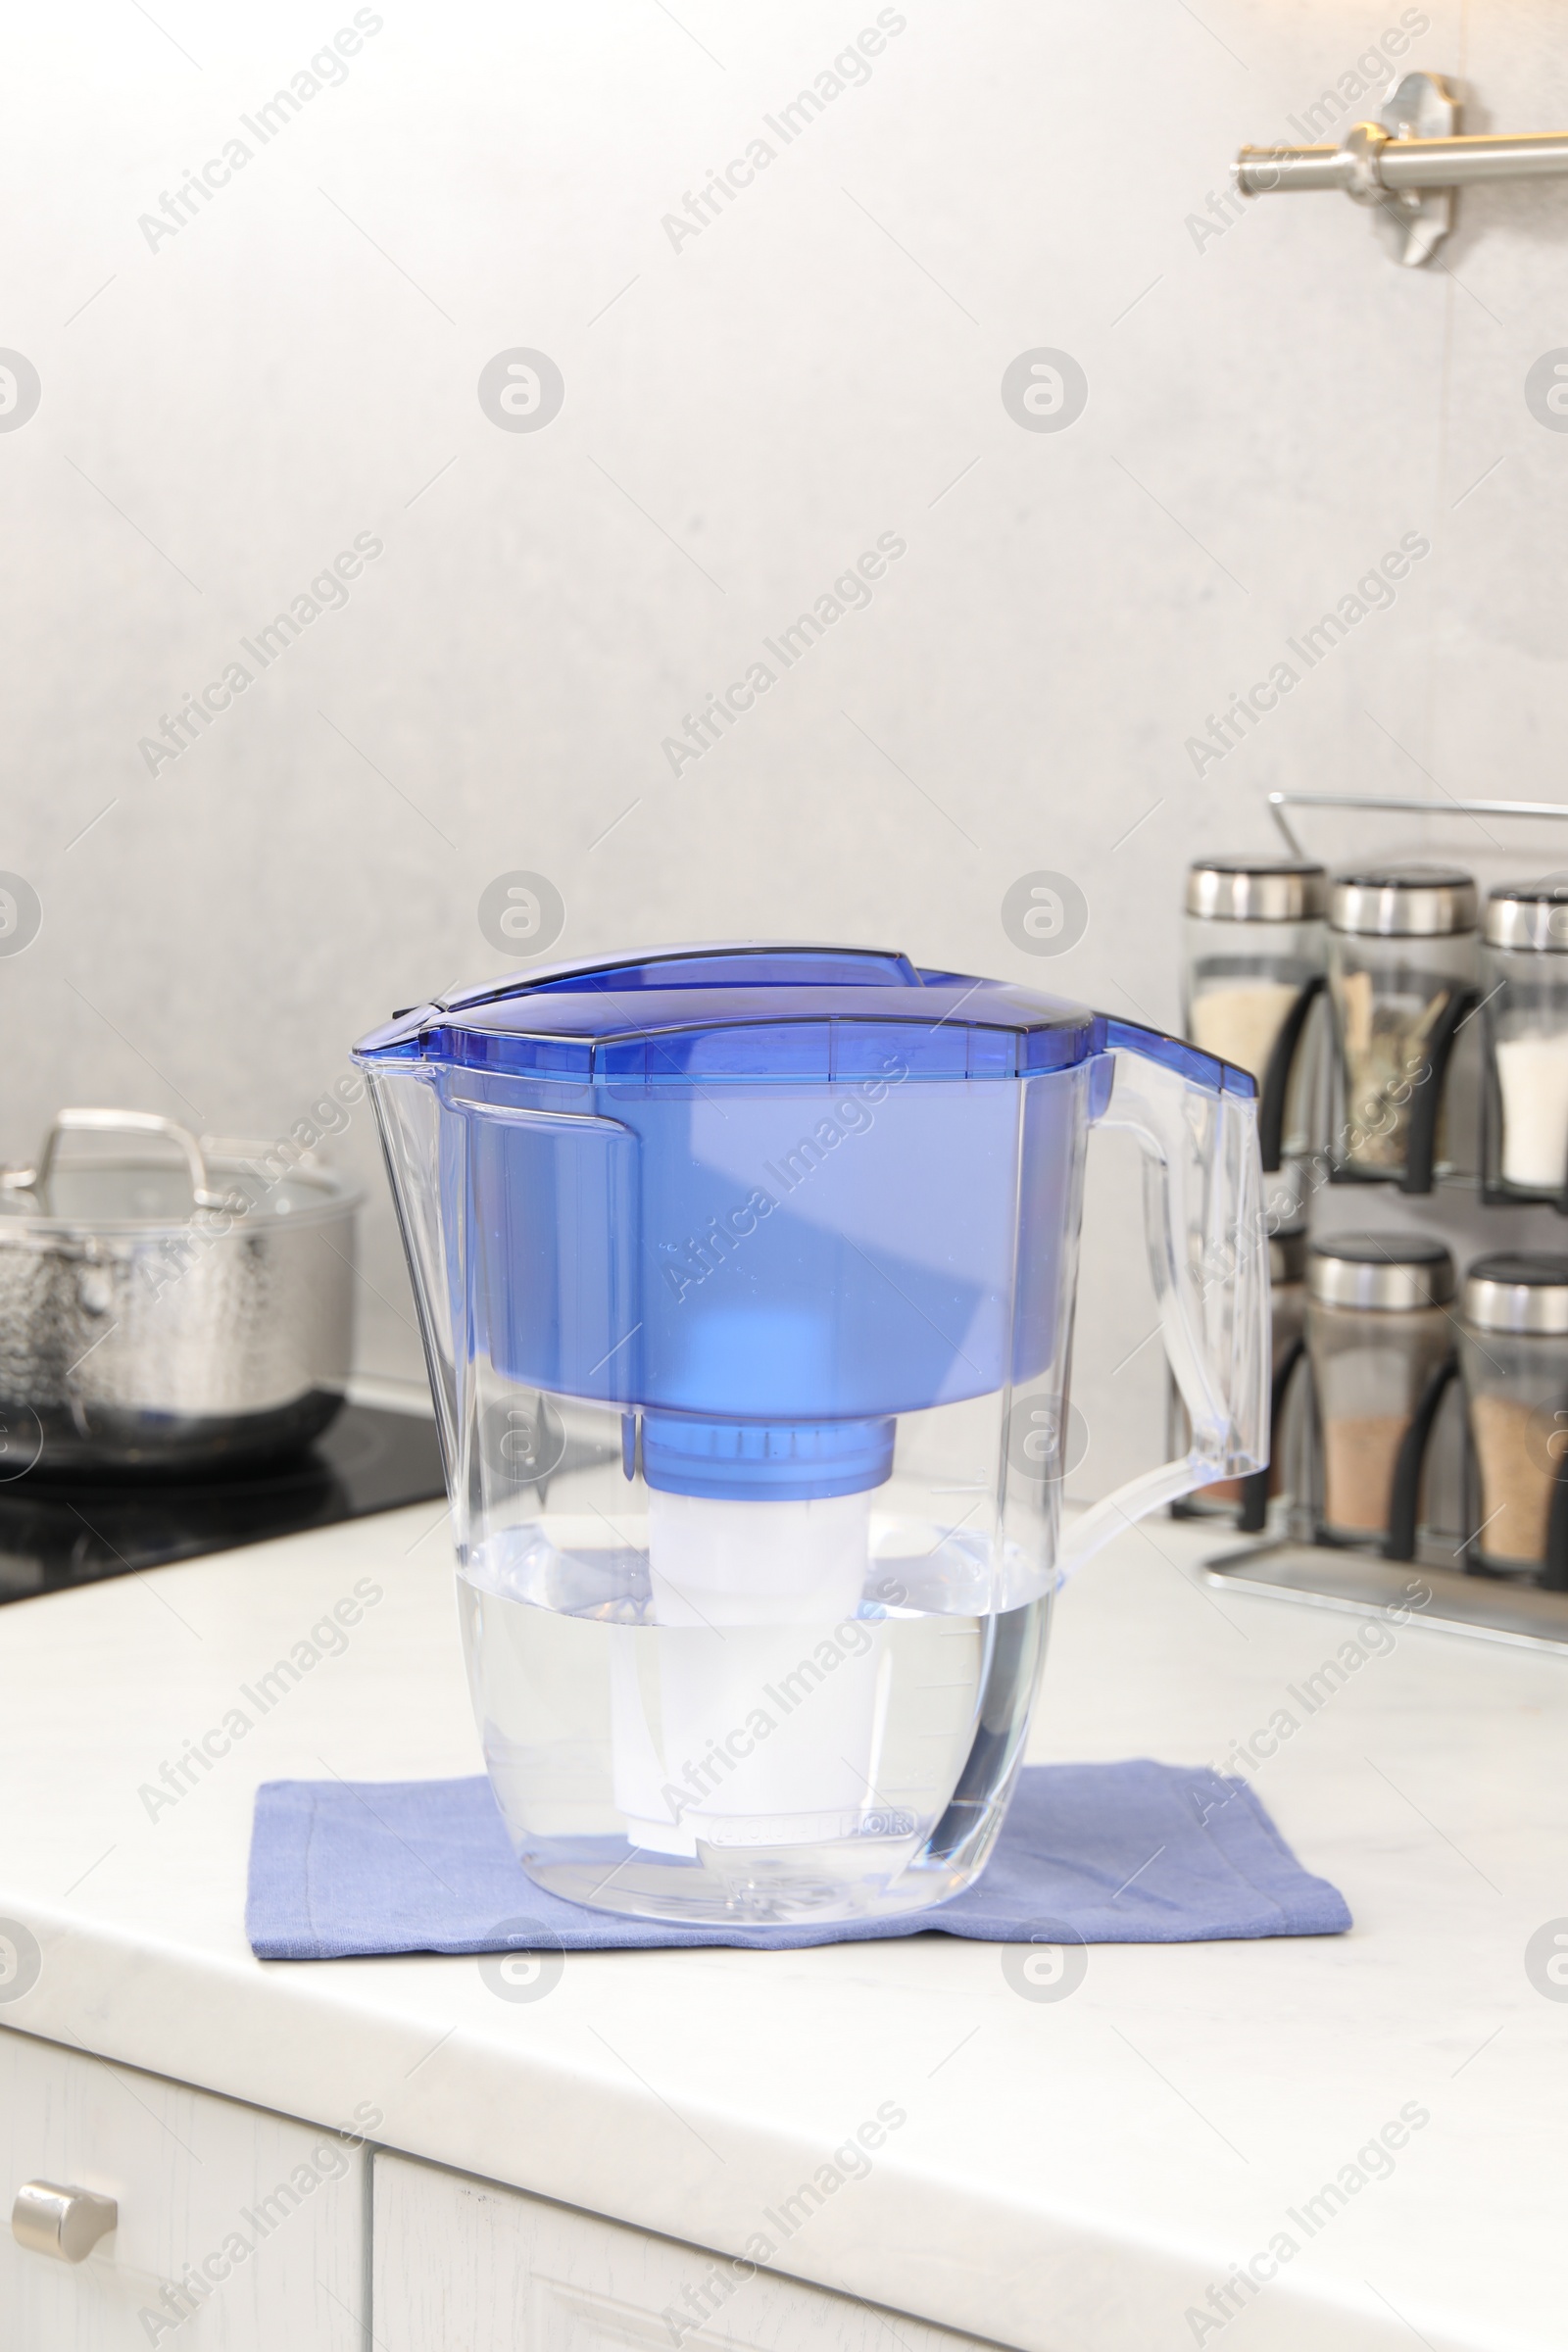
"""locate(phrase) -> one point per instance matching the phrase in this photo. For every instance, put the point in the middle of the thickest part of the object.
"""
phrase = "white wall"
(1269, 410)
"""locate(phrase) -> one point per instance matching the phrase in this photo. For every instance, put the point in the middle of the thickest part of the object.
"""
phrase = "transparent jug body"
(759, 1422)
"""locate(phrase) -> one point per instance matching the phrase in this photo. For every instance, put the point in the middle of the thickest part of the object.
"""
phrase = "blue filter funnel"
(783, 1461)
(759, 1353)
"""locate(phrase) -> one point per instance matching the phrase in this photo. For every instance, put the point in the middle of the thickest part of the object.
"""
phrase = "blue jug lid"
(752, 1011)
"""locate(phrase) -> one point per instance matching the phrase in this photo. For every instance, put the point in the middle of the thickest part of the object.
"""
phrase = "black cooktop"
(55, 1532)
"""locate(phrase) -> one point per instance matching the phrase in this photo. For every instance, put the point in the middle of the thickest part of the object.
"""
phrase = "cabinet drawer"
(265, 2215)
(460, 2262)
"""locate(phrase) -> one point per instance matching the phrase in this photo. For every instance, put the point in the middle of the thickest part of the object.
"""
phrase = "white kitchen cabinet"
(463, 2263)
(241, 2231)
(267, 2213)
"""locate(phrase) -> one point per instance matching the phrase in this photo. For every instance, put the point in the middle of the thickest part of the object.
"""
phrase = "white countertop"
(1073, 2177)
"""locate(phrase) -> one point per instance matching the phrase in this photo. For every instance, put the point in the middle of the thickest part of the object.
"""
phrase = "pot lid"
(147, 1191)
(758, 1012)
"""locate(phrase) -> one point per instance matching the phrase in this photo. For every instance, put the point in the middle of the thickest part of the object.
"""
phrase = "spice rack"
(1432, 1562)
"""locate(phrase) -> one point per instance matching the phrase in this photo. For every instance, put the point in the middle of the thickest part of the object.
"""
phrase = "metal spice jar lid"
(1382, 1272)
(1517, 1293)
(1402, 902)
(1256, 890)
(1528, 915)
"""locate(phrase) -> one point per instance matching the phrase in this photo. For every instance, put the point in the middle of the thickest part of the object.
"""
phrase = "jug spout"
(422, 1149)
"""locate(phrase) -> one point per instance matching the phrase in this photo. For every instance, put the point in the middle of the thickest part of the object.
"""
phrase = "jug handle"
(1195, 1122)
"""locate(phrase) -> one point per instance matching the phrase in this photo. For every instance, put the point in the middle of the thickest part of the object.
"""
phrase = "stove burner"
(56, 1532)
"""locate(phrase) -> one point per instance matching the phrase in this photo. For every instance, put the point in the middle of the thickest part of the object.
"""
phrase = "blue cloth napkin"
(1134, 1853)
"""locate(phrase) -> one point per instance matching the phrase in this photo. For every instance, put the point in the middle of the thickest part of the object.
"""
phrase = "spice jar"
(1525, 980)
(1513, 1351)
(1287, 1290)
(1401, 973)
(1255, 957)
(1377, 1332)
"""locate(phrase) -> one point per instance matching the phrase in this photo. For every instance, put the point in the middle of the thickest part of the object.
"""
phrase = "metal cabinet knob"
(1408, 162)
(67, 2222)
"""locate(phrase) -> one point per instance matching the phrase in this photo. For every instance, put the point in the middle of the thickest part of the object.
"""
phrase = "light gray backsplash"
(746, 409)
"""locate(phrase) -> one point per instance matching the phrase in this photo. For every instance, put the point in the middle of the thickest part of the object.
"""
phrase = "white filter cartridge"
(757, 1724)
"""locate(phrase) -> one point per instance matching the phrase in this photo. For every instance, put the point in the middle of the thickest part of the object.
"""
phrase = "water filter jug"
(746, 1277)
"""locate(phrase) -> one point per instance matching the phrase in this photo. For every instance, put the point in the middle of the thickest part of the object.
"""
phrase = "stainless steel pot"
(168, 1320)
